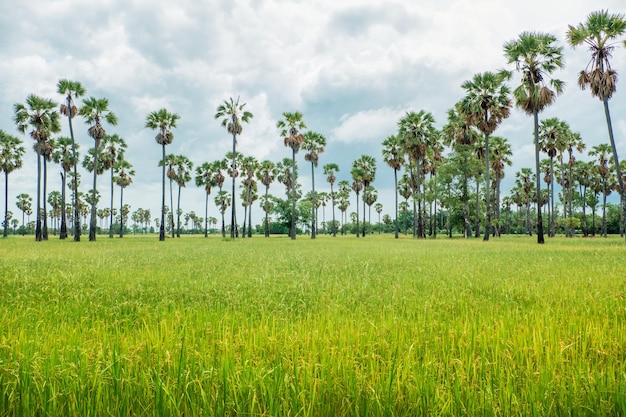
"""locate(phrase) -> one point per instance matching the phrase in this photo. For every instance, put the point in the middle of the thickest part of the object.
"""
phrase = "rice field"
(328, 327)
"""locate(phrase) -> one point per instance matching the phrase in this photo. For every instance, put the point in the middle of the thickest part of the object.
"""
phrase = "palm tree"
(54, 199)
(222, 200)
(39, 115)
(72, 90)
(357, 174)
(290, 128)
(182, 177)
(367, 165)
(267, 173)
(123, 178)
(95, 111)
(536, 56)
(24, 203)
(370, 196)
(163, 121)
(113, 148)
(599, 33)
(393, 155)
(500, 156)
(64, 155)
(416, 132)
(233, 115)
(602, 152)
(379, 209)
(204, 178)
(344, 201)
(313, 144)
(486, 104)
(11, 156)
(330, 170)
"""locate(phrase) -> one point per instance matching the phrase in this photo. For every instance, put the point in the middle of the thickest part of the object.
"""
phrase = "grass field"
(325, 327)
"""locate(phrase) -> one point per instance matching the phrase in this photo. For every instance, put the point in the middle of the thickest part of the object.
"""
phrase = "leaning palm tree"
(204, 178)
(39, 115)
(123, 178)
(536, 56)
(72, 90)
(233, 115)
(486, 104)
(163, 121)
(330, 170)
(393, 155)
(313, 144)
(290, 128)
(599, 33)
(113, 147)
(11, 158)
(267, 173)
(95, 111)
(63, 154)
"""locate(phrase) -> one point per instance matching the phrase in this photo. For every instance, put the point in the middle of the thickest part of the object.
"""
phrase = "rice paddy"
(324, 327)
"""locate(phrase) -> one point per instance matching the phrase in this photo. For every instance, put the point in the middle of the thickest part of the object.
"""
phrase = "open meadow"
(324, 327)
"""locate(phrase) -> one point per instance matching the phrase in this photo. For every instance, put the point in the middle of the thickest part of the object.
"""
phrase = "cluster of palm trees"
(422, 174)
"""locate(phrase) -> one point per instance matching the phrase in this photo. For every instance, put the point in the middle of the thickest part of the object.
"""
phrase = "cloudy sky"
(353, 68)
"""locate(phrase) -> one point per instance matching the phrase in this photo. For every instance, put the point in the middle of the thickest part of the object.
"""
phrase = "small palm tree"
(64, 155)
(95, 111)
(182, 176)
(72, 90)
(536, 56)
(290, 128)
(204, 178)
(113, 148)
(367, 165)
(11, 158)
(163, 121)
(233, 115)
(222, 201)
(393, 155)
(267, 173)
(379, 209)
(599, 33)
(330, 170)
(123, 178)
(313, 144)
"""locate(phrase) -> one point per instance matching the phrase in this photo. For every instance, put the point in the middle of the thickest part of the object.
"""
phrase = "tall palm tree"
(600, 32)
(39, 115)
(72, 90)
(602, 152)
(415, 132)
(267, 173)
(222, 200)
(370, 196)
(95, 111)
(536, 56)
(233, 115)
(11, 158)
(249, 166)
(330, 170)
(500, 157)
(344, 201)
(123, 178)
(379, 209)
(573, 141)
(367, 165)
(204, 178)
(357, 174)
(24, 203)
(182, 177)
(290, 128)
(163, 121)
(113, 148)
(486, 104)
(393, 155)
(313, 144)
(64, 155)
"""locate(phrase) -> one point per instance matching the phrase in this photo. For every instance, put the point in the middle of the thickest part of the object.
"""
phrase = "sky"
(352, 68)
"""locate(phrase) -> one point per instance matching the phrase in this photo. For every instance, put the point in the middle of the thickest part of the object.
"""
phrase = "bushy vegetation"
(333, 327)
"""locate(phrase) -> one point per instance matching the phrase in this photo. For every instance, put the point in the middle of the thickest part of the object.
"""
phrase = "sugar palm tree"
(370, 196)
(24, 203)
(500, 157)
(330, 170)
(379, 209)
(367, 165)
(11, 158)
(123, 178)
(357, 174)
(182, 176)
(267, 173)
(393, 155)
(536, 56)
(290, 128)
(63, 154)
(204, 178)
(600, 33)
(573, 141)
(72, 90)
(486, 104)
(113, 148)
(249, 166)
(602, 152)
(233, 115)
(95, 111)
(222, 201)
(163, 121)
(313, 144)
(39, 115)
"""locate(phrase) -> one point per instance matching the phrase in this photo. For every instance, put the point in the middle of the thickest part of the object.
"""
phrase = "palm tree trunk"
(75, 188)
(267, 224)
(233, 216)
(5, 233)
(618, 170)
(604, 212)
(162, 225)
(93, 221)
(477, 219)
(540, 238)
(178, 214)
(249, 218)
(44, 230)
(121, 215)
(111, 220)
(487, 187)
(552, 231)
(332, 196)
(63, 233)
(172, 210)
(363, 226)
(293, 195)
(358, 232)
(206, 215)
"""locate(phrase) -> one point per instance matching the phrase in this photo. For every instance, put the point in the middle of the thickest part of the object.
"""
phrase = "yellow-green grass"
(325, 327)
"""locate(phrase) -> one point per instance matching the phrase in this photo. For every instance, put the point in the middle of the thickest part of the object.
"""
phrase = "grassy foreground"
(330, 327)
